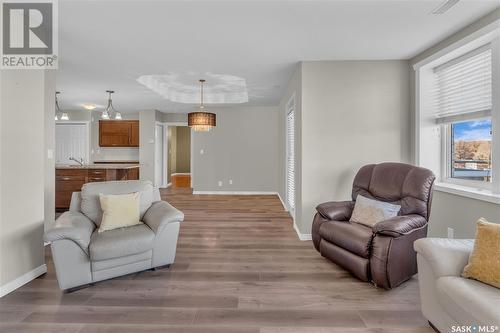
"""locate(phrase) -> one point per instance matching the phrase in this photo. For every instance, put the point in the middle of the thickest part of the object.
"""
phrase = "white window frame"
(485, 191)
(446, 163)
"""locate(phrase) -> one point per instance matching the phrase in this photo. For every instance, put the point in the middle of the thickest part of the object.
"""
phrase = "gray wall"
(353, 113)
(50, 133)
(25, 96)
(183, 150)
(450, 210)
(147, 123)
(243, 147)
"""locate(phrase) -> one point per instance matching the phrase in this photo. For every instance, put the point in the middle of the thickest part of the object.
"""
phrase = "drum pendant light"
(201, 121)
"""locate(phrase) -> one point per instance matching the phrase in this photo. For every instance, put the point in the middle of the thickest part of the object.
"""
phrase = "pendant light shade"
(64, 115)
(201, 121)
(106, 114)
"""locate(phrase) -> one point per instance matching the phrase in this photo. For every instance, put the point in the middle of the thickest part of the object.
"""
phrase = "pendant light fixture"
(106, 114)
(201, 121)
(64, 115)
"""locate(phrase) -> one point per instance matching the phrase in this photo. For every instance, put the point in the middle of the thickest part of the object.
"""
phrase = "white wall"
(111, 153)
(353, 113)
(24, 97)
(450, 210)
(244, 147)
(104, 153)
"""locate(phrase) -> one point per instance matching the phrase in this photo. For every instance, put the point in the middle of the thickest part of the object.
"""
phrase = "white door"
(72, 140)
(159, 149)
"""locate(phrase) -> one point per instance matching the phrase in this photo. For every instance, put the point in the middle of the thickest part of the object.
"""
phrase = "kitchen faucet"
(77, 161)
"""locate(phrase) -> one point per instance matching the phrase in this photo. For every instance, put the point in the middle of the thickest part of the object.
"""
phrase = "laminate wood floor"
(239, 268)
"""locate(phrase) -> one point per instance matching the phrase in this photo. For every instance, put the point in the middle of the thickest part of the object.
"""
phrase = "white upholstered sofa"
(83, 256)
(448, 300)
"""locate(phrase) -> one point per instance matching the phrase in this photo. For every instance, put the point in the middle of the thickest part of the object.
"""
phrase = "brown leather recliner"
(383, 253)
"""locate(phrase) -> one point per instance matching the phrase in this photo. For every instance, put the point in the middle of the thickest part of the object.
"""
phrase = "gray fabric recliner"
(83, 256)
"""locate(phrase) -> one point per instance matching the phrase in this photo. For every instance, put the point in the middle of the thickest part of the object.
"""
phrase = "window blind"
(290, 159)
(463, 87)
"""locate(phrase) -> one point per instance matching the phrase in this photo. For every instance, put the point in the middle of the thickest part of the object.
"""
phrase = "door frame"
(79, 122)
(164, 156)
(184, 123)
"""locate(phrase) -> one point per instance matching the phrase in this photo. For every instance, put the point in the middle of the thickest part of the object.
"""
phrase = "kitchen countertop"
(97, 166)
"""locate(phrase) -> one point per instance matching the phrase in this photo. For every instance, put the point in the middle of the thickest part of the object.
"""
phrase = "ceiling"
(110, 44)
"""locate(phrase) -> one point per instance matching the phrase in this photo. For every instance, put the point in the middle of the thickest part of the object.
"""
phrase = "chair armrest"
(336, 210)
(73, 226)
(447, 257)
(160, 214)
(399, 225)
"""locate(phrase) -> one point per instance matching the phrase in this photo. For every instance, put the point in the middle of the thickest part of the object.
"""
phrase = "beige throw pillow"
(369, 212)
(484, 261)
(119, 210)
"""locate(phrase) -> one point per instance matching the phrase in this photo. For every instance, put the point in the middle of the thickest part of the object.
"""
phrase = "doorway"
(72, 142)
(179, 156)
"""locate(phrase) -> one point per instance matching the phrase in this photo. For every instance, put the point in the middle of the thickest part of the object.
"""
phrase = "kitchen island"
(71, 177)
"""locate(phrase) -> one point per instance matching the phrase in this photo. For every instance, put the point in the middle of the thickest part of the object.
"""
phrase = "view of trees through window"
(471, 157)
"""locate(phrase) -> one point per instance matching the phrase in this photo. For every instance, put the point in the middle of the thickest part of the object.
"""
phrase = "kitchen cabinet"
(70, 179)
(119, 133)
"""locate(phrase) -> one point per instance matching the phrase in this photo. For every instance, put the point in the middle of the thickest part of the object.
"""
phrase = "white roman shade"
(463, 87)
(290, 155)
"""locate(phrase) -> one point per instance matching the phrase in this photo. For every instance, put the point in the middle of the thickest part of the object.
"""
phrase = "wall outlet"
(230, 182)
(220, 183)
(50, 154)
(451, 233)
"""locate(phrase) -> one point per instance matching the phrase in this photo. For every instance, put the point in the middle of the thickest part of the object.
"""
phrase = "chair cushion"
(369, 211)
(468, 301)
(91, 206)
(484, 262)
(119, 210)
(121, 242)
(353, 237)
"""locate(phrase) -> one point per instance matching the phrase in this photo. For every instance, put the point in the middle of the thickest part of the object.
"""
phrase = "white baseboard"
(282, 202)
(236, 192)
(302, 237)
(22, 280)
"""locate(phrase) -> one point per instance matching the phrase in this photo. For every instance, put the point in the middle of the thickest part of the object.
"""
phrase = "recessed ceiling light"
(89, 107)
(444, 7)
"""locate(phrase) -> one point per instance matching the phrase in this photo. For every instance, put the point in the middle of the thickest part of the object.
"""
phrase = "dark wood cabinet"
(134, 134)
(72, 180)
(119, 133)
(67, 182)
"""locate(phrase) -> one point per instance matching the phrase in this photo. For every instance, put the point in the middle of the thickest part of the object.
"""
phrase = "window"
(471, 150)
(290, 154)
(463, 108)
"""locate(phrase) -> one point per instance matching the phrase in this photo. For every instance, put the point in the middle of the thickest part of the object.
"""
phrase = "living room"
(338, 161)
